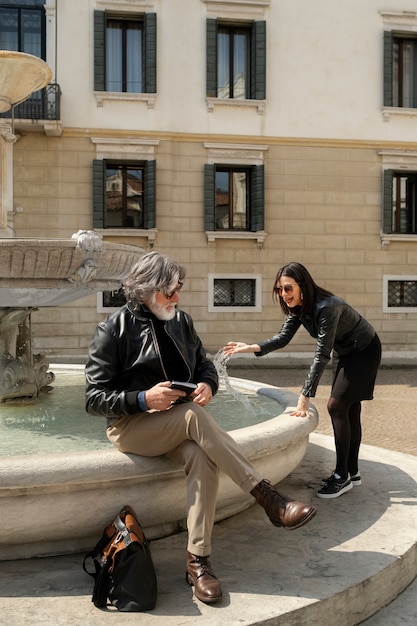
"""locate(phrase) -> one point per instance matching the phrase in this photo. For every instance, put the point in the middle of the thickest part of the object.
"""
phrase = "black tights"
(346, 421)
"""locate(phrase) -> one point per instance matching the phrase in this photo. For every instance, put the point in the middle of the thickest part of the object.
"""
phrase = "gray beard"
(160, 311)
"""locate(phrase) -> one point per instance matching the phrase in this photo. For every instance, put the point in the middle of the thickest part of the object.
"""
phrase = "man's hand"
(203, 394)
(161, 397)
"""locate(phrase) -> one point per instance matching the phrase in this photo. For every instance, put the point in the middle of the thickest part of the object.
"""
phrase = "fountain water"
(60, 502)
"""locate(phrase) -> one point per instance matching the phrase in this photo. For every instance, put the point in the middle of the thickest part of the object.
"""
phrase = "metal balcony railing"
(44, 104)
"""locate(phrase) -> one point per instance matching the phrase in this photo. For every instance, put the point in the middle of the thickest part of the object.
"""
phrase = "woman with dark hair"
(355, 348)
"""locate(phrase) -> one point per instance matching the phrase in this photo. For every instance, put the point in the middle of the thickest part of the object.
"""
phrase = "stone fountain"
(58, 503)
(40, 272)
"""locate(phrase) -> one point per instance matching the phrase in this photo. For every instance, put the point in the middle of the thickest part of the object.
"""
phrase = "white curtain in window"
(113, 58)
(134, 59)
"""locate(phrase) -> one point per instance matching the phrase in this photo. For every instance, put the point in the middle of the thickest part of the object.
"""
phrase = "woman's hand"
(302, 407)
(238, 347)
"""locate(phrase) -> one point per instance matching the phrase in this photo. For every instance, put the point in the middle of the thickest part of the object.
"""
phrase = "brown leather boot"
(202, 578)
(282, 511)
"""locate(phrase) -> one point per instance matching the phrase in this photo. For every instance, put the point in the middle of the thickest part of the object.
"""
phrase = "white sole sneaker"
(356, 480)
(334, 490)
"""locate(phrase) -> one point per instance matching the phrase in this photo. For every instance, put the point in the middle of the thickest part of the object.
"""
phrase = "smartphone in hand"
(183, 386)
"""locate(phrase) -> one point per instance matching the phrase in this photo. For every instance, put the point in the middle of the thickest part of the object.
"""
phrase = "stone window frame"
(401, 22)
(109, 148)
(396, 277)
(236, 155)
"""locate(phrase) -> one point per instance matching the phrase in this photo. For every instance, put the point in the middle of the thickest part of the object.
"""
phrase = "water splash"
(220, 363)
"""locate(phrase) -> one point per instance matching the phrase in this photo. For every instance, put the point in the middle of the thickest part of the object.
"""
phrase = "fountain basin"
(51, 272)
(60, 503)
(21, 75)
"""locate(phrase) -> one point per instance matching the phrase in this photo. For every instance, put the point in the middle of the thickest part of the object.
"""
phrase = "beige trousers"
(191, 437)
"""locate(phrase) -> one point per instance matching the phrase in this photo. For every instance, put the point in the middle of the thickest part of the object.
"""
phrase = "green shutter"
(149, 195)
(99, 51)
(99, 168)
(257, 209)
(258, 61)
(211, 58)
(209, 196)
(150, 52)
(387, 184)
(388, 69)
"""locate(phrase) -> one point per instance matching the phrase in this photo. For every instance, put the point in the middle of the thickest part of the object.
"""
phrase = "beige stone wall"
(322, 208)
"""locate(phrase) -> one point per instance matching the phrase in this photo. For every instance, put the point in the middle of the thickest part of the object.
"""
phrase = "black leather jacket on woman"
(126, 357)
(335, 325)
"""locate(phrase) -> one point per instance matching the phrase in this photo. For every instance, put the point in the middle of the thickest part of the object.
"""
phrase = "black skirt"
(354, 374)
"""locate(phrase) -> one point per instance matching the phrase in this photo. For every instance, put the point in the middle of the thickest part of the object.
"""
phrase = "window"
(108, 301)
(234, 198)
(123, 194)
(22, 26)
(236, 60)
(125, 53)
(400, 202)
(400, 70)
(23, 29)
(232, 293)
(400, 294)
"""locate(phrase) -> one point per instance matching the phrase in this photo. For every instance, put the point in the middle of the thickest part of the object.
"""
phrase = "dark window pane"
(124, 40)
(233, 45)
(231, 205)
(114, 298)
(21, 30)
(124, 196)
(405, 72)
(402, 293)
(9, 29)
(234, 292)
(404, 203)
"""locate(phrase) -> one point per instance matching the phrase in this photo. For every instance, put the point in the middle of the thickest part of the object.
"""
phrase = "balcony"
(42, 111)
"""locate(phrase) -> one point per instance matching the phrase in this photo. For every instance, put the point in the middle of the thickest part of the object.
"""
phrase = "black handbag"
(124, 571)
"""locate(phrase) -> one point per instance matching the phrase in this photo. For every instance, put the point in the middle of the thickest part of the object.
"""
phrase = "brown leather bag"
(124, 570)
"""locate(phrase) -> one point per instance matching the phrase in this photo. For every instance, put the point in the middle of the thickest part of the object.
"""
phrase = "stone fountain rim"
(27, 472)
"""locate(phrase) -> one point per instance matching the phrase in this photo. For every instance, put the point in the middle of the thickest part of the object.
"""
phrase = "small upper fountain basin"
(60, 503)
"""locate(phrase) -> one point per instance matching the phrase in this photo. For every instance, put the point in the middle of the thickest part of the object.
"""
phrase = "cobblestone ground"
(388, 421)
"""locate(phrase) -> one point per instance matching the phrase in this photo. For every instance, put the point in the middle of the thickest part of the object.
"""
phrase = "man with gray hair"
(134, 356)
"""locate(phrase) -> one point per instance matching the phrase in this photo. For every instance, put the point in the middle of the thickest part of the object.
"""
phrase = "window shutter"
(209, 197)
(258, 61)
(98, 193)
(150, 52)
(257, 198)
(149, 194)
(388, 177)
(211, 60)
(99, 51)
(388, 69)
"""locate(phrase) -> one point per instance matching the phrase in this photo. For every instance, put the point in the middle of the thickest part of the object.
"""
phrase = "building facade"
(234, 136)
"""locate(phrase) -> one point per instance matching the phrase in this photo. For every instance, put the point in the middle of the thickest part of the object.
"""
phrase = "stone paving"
(389, 420)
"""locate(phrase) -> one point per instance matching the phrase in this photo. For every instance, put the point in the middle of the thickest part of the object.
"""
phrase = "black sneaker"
(356, 479)
(334, 487)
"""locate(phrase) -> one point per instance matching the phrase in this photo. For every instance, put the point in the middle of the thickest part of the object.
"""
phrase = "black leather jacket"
(335, 325)
(125, 358)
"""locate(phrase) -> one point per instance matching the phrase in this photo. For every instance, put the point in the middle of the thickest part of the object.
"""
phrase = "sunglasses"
(172, 293)
(285, 288)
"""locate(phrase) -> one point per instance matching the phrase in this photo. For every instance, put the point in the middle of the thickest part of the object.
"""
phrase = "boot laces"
(268, 490)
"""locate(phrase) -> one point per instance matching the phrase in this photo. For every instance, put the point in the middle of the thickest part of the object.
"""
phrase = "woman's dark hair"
(309, 289)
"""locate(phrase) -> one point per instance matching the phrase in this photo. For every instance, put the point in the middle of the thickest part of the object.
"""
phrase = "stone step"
(356, 556)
